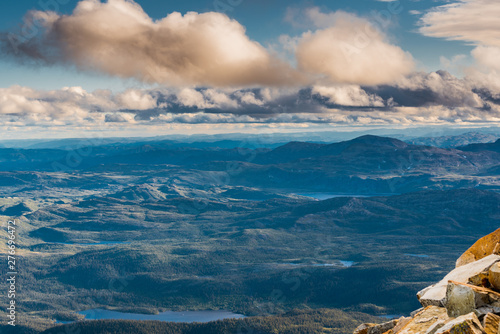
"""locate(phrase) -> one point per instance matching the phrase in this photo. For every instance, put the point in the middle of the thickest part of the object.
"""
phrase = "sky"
(123, 67)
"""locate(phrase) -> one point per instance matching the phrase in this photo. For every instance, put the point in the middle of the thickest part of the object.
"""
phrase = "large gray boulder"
(462, 299)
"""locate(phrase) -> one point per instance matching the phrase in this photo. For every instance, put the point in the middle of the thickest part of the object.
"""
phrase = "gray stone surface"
(462, 299)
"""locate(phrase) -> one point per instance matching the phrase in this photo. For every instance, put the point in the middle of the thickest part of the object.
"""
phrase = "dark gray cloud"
(430, 89)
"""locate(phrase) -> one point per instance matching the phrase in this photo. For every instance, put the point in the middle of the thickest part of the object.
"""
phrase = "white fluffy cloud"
(137, 100)
(350, 50)
(70, 104)
(474, 21)
(488, 56)
(118, 38)
(486, 73)
(206, 99)
(209, 49)
(349, 96)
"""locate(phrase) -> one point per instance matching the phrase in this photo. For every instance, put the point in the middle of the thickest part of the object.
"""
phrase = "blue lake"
(323, 196)
(169, 316)
(422, 256)
(390, 316)
(92, 244)
(345, 264)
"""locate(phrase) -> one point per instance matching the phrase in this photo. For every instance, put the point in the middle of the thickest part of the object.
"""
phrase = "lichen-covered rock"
(363, 328)
(491, 323)
(485, 246)
(465, 324)
(414, 313)
(425, 320)
(437, 326)
(436, 294)
(402, 322)
(376, 328)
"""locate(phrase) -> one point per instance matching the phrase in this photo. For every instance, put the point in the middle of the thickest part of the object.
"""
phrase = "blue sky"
(264, 21)
(125, 67)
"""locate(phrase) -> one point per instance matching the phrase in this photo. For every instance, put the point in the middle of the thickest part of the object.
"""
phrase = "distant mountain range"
(441, 137)
(364, 165)
(456, 141)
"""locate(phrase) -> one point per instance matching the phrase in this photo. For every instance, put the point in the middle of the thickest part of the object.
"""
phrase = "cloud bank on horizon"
(345, 70)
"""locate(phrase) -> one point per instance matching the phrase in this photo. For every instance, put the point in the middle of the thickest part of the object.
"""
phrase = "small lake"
(422, 256)
(91, 244)
(341, 264)
(324, 196)
(347, 264)
(169, 316)
(390, 316)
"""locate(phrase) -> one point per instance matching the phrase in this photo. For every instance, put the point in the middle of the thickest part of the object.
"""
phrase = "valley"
(148, 229)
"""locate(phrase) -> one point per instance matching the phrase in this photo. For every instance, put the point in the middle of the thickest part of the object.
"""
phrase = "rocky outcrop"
(436, 294)
(466, 300)
(376, 328)
(429, 319)
(485, 246)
